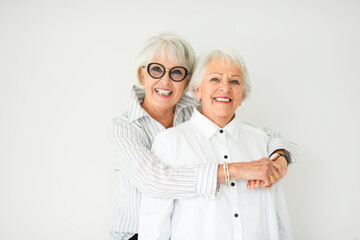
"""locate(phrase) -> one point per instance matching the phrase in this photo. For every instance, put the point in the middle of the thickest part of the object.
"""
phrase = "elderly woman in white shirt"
(164, 69)
(216, 135)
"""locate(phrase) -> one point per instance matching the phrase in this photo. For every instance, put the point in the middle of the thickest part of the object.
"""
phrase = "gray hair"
(175, 48)
(227, 56)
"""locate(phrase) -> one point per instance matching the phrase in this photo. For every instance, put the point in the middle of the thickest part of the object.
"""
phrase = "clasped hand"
(263, 172)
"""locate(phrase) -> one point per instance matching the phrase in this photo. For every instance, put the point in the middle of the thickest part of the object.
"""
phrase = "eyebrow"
(222, 74)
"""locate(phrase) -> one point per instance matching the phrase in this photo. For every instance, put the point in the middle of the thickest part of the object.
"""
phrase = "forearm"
(147, 173)
(260, 170)
(234, 171)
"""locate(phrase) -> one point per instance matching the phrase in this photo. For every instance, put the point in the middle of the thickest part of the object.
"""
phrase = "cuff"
(276, 141)
(289, 147)
(206, 180)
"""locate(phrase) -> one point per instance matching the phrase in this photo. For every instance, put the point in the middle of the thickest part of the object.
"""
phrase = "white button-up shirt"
(236, 212)
(142, 172)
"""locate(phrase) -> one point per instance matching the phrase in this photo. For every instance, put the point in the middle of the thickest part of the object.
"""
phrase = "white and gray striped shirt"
(140, 171)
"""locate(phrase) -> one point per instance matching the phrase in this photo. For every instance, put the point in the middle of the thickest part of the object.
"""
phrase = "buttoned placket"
(232, 187)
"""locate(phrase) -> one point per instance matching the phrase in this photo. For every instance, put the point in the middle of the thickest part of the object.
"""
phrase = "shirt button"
(236, 215)
(225, 156)
(221, 131)
(232, 184)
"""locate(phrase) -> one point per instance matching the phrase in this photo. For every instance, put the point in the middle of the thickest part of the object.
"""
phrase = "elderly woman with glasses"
(216, 135)
(164, 71)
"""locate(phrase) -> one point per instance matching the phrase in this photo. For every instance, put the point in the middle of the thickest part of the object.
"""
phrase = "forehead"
(167, 58)
(223, 67)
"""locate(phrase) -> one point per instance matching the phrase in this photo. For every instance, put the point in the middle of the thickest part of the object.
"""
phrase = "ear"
(141, 74)
(198, 93)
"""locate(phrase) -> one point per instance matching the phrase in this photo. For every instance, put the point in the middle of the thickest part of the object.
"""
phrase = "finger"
(252, 184)
(275, 171)
(268, 187)
(266, 181)
(272, 177)
(257, 183)
(277, 166)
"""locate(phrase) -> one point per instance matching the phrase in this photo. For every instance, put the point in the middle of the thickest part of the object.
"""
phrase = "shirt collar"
(208, 128)
(138, 96)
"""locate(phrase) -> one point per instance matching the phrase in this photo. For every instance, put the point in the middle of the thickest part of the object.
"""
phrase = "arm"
(150, 176)
(277, 144)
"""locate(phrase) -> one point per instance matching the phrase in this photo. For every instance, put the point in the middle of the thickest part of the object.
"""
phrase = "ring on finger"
(272, 177)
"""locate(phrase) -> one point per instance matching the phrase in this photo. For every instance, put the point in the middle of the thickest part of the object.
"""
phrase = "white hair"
(175, 48)
(227, 56)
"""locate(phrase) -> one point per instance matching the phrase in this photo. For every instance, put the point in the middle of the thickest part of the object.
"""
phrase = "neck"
(220, 121)
(163, 116)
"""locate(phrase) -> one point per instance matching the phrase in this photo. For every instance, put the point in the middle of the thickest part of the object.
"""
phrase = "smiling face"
(221, 91)
(161, 94)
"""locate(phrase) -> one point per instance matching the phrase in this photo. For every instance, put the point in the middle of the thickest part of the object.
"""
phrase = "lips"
(163, 92)
(222, 99)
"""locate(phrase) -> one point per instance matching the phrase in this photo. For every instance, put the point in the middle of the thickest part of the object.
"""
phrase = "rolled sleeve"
(206, 180)
(277, 141)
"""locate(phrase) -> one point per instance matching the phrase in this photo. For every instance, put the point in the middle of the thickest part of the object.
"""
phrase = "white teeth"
(223, 99)
(163, 92)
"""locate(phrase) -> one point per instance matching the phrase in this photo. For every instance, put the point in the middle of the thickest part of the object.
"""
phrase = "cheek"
(180, 88)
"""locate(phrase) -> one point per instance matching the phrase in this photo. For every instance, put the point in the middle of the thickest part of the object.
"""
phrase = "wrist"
(280, 153)
(235, 170)
(282, 161)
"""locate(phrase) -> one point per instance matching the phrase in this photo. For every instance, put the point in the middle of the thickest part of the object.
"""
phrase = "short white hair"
(228, 56)
(175, 48)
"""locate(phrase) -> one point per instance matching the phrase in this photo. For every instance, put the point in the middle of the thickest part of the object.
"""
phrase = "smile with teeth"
(163, 92)
(222, 99)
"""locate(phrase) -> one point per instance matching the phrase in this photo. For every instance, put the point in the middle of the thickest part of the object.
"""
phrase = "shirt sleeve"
(276, 141)
(150, 176)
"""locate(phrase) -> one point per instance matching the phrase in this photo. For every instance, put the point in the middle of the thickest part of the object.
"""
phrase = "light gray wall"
(66, 71)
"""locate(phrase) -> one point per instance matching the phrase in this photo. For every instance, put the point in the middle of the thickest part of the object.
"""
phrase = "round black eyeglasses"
(156, 70)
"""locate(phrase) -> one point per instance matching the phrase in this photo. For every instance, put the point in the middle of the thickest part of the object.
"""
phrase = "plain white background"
(66, 69)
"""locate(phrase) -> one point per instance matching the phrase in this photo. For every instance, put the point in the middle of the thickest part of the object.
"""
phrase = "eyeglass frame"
(166, 70)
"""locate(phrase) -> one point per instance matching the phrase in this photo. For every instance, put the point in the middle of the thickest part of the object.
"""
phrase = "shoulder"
(123, 118)
(122, 127)
(251, 129)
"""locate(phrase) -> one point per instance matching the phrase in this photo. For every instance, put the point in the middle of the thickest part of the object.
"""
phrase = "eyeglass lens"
(157, 71)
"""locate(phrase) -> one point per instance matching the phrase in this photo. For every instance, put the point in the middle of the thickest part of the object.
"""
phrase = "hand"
(283, 163)
(253, 184)
(259, 170)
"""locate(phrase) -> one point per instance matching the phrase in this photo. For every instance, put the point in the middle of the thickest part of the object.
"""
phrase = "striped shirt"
(140, 171)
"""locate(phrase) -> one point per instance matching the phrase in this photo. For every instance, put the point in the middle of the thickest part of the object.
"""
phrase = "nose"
(225, 85)
(165, 79)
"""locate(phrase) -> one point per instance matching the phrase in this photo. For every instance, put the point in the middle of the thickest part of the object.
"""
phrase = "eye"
(156, 69)
(235, 82)
(214, 79)
(176, 71)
